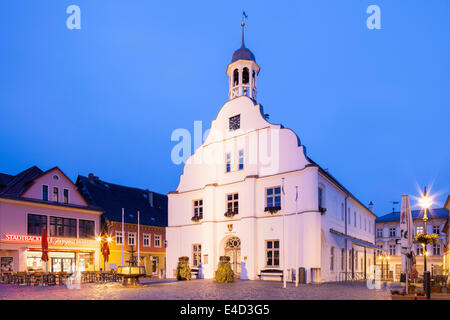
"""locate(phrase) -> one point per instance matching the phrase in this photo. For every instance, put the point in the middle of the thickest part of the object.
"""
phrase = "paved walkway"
(199, 290)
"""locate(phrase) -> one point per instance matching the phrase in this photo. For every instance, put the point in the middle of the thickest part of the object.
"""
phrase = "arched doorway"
(233, 250)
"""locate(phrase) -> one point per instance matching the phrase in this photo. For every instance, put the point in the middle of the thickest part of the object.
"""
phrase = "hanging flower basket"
(426, 238)
(196, 218)
(230, 214)
(272, 210)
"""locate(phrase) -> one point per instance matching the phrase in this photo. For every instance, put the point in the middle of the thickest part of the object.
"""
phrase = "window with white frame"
(198, 208)
(196, 255)
(146, 240)
(436, 230)
(273, 253)
(436, 249)
(233, 203)
(119, 238)
(419, 229)
(157, 241)
(392, 249)
(392, 232)
(241, 160)
(273, 197)
(131, 238)
(332, 258)
(379, 233)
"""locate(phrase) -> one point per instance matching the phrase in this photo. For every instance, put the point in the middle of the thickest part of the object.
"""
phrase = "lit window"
(196, 255)
(419, 229)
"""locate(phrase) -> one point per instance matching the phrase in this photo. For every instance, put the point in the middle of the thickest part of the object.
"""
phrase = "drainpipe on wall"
(346, 258)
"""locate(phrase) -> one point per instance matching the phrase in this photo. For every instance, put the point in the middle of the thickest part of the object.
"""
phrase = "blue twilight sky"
(372, 106)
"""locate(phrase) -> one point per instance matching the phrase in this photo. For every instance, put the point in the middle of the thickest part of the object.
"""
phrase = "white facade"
(270, 153)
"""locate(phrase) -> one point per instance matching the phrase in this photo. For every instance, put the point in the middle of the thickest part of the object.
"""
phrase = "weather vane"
(244, 16)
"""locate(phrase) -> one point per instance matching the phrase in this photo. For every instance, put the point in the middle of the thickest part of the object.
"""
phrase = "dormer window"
(235, 122)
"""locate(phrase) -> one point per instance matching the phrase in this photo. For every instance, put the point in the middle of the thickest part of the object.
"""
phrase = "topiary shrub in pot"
(224, 273)
(183, 270)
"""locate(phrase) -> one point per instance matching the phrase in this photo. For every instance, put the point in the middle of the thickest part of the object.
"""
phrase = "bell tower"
(242, 71)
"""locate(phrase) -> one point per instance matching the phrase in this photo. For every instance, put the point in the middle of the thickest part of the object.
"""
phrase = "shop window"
(63, 227)
(273, 253)
(36, 223)
(86, 229)
(196, 255)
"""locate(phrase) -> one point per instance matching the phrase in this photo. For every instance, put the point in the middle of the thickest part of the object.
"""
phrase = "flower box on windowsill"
(322, 210)
(197, 218)
(272, 210)
(230, 214)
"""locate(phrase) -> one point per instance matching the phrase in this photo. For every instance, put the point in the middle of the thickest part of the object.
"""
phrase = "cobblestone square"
(199, 290)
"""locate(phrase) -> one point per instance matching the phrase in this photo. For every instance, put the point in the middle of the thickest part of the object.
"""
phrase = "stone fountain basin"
(131, 274)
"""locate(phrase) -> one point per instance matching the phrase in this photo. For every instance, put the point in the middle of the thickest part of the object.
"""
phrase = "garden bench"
(271, 274)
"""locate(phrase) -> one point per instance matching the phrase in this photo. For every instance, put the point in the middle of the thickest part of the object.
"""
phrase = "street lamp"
(425, 202)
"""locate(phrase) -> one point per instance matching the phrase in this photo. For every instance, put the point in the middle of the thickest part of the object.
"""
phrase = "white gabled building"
(230, 198)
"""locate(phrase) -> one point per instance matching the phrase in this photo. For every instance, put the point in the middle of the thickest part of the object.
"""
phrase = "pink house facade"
(33, 200)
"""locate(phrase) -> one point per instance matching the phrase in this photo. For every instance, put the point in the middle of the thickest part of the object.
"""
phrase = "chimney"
(150, 198)
(371, 206)
(91, 177)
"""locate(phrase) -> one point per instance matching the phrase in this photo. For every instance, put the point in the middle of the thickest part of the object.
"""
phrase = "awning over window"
(356, 241)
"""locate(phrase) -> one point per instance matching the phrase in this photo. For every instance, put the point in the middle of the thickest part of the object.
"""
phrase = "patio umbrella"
(44, 245)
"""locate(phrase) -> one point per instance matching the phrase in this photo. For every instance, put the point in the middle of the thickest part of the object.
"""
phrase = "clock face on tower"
(235, 122)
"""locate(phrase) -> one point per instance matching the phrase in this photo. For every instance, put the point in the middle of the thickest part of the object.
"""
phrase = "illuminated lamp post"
(425, 202)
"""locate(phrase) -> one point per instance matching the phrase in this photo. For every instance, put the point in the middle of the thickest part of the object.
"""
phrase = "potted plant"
(411, 288)
(420, 295)
(197, 217)
(183, 270)
(230, 213)
(272, 210)
(224, 273)
(400, 295)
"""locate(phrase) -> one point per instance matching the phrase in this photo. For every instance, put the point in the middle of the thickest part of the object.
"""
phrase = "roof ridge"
(18, 177)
